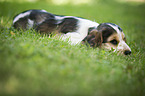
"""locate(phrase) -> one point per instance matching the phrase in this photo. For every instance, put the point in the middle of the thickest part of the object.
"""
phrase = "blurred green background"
(32, 64)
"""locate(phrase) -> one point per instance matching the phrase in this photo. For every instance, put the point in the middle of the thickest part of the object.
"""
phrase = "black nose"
(127, 52)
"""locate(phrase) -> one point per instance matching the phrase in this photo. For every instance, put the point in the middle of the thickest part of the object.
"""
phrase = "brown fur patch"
(113, 36)
(94, 39)
(123, 37)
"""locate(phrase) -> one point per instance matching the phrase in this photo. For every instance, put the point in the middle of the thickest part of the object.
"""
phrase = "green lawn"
(32, 64)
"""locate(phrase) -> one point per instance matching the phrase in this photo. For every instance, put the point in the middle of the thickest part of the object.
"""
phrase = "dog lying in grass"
(76, 29)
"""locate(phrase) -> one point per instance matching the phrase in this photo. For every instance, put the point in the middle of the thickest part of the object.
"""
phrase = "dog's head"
(109, 36)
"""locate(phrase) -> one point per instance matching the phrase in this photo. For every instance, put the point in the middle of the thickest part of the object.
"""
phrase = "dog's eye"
(114, 42)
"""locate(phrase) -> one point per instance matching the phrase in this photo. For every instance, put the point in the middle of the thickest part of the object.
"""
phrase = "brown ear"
(94, 39)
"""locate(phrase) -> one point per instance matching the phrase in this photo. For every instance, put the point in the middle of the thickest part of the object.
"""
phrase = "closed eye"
(114, 42)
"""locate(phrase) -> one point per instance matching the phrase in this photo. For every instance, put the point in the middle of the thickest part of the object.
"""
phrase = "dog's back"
(45, 22)
(32, 18)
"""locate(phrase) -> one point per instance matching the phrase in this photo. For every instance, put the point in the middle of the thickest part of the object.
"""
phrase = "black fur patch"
(21, 23)
(120, 29)
(106, 31)
(38, 16)
(90, 29)
(68, 25)
(48, 26)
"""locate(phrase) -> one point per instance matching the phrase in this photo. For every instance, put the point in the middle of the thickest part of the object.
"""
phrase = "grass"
(34, 64)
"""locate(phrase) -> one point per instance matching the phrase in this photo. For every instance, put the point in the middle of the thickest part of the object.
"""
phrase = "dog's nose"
(127, 52)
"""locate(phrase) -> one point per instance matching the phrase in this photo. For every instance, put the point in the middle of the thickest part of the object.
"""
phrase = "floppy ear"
(94, 38)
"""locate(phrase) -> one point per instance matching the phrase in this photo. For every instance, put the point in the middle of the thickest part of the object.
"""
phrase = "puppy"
(76, 29)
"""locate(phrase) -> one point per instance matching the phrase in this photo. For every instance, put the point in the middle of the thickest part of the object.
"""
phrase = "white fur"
(21, 16)
(81, 33)
(43, 10)
(123, 46)
(115, 28)
(30, 23)
(59, 18)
